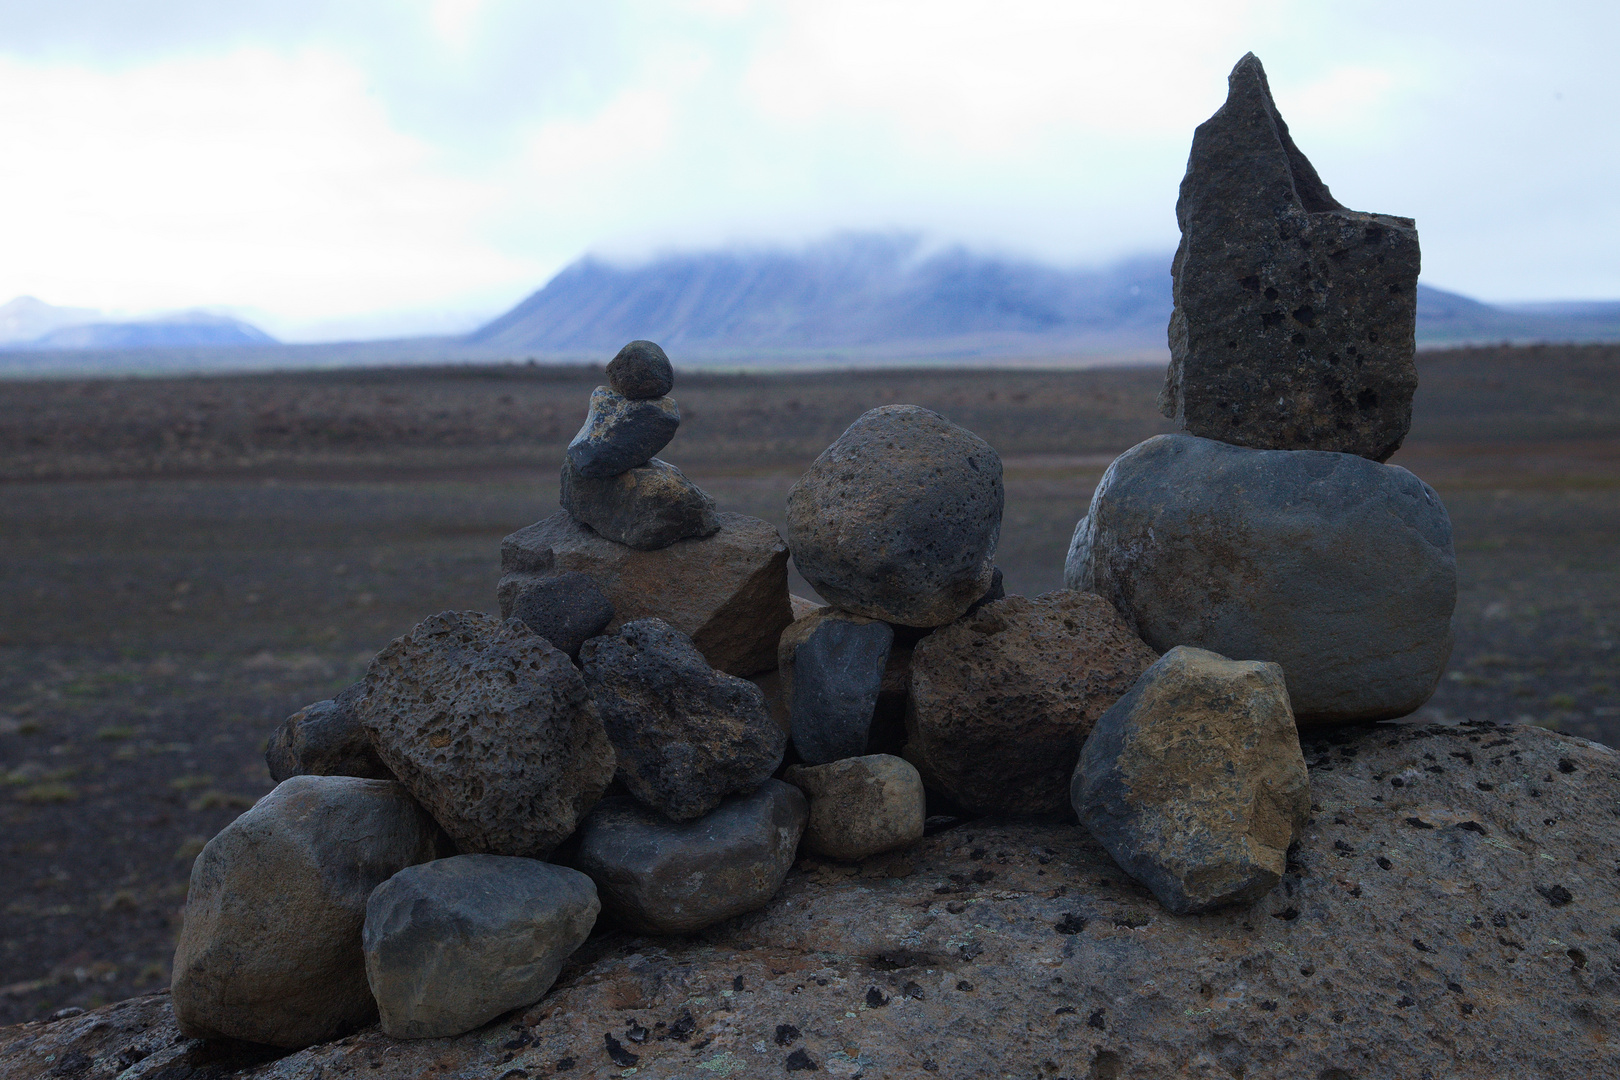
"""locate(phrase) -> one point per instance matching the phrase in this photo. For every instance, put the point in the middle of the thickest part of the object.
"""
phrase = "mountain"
(26, 319)
(185, 330)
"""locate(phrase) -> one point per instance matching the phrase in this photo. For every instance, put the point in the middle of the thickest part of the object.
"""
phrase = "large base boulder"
(1001, 700)
(325, 739)
(1339, 569)
(1194, 780)
(491, 728)
(269, 946)
(861, 806)
(452, 944)
(727, 592)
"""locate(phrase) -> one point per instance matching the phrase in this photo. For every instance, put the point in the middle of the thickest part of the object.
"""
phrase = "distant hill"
(28, 319)
(33, 325)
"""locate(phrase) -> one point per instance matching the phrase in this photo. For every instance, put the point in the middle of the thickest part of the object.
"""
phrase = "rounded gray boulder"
(641, 370)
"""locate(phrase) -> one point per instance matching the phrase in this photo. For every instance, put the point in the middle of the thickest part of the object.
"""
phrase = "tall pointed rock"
(1295, 317)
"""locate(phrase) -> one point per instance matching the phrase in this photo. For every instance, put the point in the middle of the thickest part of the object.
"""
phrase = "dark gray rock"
(648, 508)
(491, 729)
(641, 370)
(1194, 780)
(621, 433)
(566, 609)
(837, 672)
(660, 877)
(452, 944)
(269, 948)
(1337, 568)
(1295, 318)
(686, 735)
(325, 739)
(898, 519)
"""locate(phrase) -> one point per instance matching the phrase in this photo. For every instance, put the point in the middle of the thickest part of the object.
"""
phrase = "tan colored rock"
(861, 806)
(727, 592)
(270, 948)
(1002, 699)
(801, 606)
(1194, 780)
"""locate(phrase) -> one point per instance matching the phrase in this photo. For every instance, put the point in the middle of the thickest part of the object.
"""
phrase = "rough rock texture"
(269, 946)
(1295, 318)
(898, 519)
(641, 370)
(1420, 928)
(685, 734)
(649, 507)
(325, 739)
(452, 944)
(832, 666)
(659, 877)
(621, 433)
(727, 592)
(861, 806)
(1194, 781)
(566, 609)
(491, 729)
(1337, 568)
(1001, 700)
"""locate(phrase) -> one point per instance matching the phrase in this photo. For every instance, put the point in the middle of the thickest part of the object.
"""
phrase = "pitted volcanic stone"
(898, 519)
(452, 944)
(641, 370)
(686, 735)
(661, 877)
(491, 728)
(1335, 567)
(861, 806)
(1194, 780)
(648, 508)
(621, 433)
(566, 609)
(728, 592)
(325, 739)
(1295, 318)
(269, 948)
(837, 672)
(1001, 700)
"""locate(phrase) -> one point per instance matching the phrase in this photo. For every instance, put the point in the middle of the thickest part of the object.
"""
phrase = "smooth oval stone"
(641, 370)
(861, 806)
(620, 433)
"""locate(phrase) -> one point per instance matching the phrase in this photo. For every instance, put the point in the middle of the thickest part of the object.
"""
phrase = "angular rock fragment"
(1295, 318)
(686, 736)
(641, 370)
(727, 592)
(1337, 568)
(649, 507)
(452, 944)
(1194, 781)
(269, 948)
(837, 671)
(1002, 699)
(861, 806)
(566, 609)
(662, 877)
(325, 739)
(898, 519)
(621, 433)
(491, 729)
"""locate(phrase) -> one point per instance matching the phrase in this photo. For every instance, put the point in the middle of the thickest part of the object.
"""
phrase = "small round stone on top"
(641, 370)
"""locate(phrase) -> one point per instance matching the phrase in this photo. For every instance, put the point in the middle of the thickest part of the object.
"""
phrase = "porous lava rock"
(269, 948)
(648, 507)
(641, 370)
(1438, 925)
(656, 876)
(898, 519)
(861, 806)
(491, 729)
(1295, 318)
(620, 433)
(1194, 780)
(452, 944)
(727, 592)
(832, 666)
(325, 739)
(1001, 700)
(1337, 568)
(686, 735)
(566, 609)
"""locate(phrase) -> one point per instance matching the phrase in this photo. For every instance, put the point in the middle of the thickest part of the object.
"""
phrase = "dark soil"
(183, 562)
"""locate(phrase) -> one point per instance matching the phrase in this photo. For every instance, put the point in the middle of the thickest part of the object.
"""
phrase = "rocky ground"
(185, 562)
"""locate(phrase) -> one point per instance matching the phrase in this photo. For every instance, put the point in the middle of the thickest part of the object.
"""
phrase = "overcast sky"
(368, 166)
